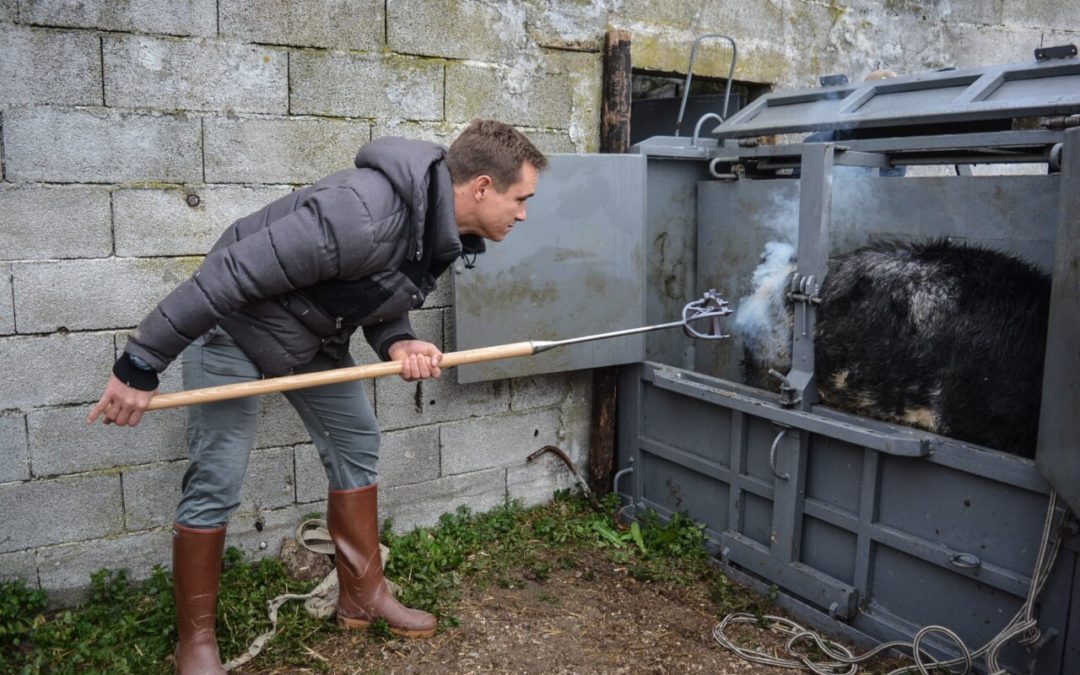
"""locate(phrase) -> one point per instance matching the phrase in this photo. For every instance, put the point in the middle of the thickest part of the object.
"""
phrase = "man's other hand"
(120, 404)
(419, 360)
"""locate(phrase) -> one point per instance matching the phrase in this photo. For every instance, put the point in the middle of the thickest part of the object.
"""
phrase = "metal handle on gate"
(772, 455)
(690, 74)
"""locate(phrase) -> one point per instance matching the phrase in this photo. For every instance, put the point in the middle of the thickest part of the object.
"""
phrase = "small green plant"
(379, 631)
(130, 628)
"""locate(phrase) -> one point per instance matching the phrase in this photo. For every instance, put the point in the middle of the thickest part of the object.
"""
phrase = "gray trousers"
(220, 435)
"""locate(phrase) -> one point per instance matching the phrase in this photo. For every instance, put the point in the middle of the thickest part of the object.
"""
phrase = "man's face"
(498, 212)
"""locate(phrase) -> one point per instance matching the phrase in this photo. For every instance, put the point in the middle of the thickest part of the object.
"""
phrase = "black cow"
(945, 337)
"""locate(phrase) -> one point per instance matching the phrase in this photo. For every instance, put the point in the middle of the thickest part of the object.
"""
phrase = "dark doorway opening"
(655, 101)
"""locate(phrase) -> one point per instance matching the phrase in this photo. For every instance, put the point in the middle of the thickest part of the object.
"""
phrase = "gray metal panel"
(1058, 454)
(574, 267)
(1015, 214)
(876, 539)
(670, 265)
(995, 92)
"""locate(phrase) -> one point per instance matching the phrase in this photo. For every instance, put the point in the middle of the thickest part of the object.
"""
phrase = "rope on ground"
(320, 602)
(843, 662)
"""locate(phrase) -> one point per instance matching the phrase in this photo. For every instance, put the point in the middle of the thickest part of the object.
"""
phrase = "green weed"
(130, 628)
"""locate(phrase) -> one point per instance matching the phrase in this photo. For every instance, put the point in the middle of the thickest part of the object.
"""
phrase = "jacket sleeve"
(295, 251)
(381, 335)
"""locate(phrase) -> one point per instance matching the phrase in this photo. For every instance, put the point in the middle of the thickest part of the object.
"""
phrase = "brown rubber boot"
(352, 517)
(196, 571)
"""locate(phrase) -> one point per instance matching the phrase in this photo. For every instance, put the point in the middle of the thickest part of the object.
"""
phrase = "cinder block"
(988, 12)
(9, 11)
(311, 482)
(1039, 15)
(497, 440)
(585, 74)
(981, 45)
(65, 570)
(536, 482)
(669, 15)
(54, 222)
(421, 504)
(60, 441)
(43, 512)
(20, 565)
(669, 50)
(188, 17)
(457, 29)
(575, 416)
(409, 456)
(270, 481)
(100, 146)
(93, 294)
(54, 369)
(577, 26)
(515, 96)
(161, 222)
(49, 66)
(348, 85)
(290, 151)
(316, 23)
(200, 74)
(443, 295)
(538, 391)
(14, 464)
(258, 534)
(442, 133)
(152, 492)
(406, 404)
(7, 301)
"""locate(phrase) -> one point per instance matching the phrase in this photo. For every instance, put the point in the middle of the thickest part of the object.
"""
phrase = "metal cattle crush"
(866, 529)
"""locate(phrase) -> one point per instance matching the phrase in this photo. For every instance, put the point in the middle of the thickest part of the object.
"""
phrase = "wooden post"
(615, 110)
(614, 138)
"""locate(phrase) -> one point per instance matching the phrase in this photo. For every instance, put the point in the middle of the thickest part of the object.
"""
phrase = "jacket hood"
(418, 173)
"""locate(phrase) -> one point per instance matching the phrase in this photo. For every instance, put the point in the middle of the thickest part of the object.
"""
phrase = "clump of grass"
(130, 628)
(510, 546)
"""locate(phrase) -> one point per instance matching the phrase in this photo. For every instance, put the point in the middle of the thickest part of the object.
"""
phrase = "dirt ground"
(594, 618)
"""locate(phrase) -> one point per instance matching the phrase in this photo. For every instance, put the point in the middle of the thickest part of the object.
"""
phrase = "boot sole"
(361, 624)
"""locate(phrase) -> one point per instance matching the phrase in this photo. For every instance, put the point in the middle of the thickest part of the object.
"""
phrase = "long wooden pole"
(367, 372)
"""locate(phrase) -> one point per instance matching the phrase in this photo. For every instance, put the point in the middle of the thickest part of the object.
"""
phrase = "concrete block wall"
(132, 132)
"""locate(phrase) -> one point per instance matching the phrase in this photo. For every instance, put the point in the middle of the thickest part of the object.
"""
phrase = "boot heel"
(361, 624)
(353, 624)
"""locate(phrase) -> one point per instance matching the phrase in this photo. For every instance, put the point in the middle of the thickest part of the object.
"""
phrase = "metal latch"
(1056, 52)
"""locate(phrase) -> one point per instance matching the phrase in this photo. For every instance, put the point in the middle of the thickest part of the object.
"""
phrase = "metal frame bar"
(1057, 455)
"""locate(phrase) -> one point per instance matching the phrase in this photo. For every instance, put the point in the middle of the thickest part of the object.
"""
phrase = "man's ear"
(481, 184)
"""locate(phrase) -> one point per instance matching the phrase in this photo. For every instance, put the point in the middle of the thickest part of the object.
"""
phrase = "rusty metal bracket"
(561, 454)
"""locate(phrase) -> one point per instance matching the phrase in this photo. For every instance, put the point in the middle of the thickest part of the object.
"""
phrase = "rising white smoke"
(762, 319)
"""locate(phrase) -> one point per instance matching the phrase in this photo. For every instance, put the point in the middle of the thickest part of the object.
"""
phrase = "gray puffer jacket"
(300, 275)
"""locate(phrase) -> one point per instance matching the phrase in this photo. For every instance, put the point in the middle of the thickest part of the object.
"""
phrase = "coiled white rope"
(843, 662)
